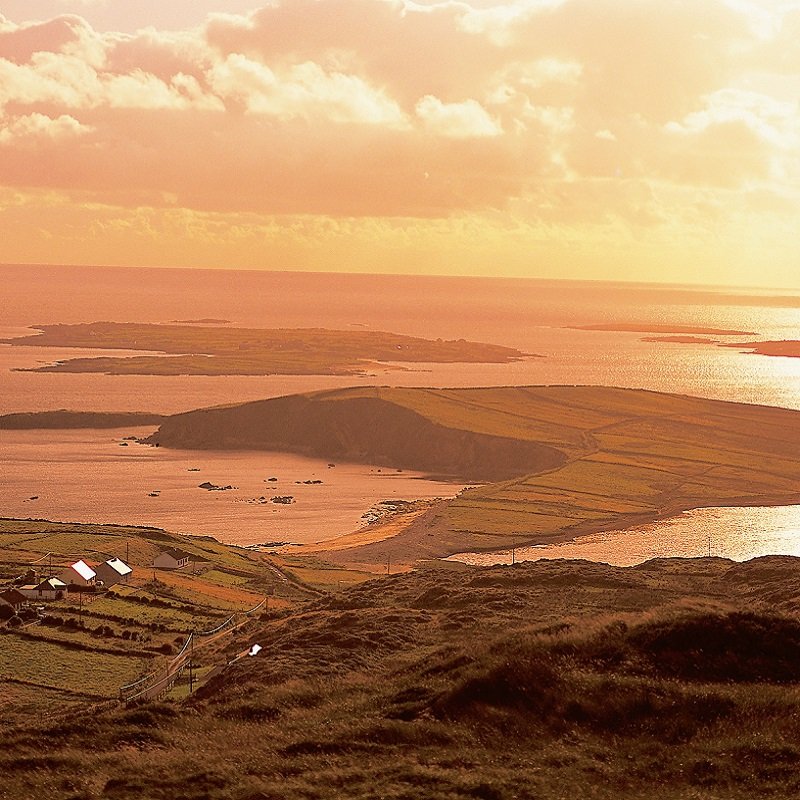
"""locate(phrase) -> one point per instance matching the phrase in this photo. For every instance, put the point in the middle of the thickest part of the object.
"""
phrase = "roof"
(178, 555)
(119, 566)
(84, 570)
(13, 597)
(52, 583)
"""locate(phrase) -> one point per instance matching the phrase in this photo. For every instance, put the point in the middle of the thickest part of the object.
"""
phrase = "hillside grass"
(93, 647)
(675, 679)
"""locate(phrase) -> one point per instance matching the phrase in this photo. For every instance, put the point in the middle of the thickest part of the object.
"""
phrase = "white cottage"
(113, 571)
(172, 559)
(49, 589)
(79, 574)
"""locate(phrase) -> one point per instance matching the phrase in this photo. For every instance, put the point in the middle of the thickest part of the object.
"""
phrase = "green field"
(50, 664)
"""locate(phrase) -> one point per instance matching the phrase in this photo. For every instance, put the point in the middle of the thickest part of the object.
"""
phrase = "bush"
(736, 647)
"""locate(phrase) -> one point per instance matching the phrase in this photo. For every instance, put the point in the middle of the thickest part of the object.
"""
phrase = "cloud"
(566, 114)
(30, 129)
(303, 90)
(463, 120)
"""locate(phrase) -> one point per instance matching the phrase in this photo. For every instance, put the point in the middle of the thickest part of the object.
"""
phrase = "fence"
(159, 682)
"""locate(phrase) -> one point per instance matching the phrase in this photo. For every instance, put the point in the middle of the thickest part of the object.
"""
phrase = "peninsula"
(554, 462)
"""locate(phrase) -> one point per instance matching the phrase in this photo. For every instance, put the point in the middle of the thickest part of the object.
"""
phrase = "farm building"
(113, 571)
(79, 574)
(172, 559)
(50, 589)
(13, 598)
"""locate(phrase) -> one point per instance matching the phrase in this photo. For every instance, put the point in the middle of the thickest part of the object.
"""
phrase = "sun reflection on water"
(736, 533)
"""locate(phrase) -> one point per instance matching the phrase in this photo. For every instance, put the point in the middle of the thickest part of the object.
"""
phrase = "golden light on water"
(736, 533)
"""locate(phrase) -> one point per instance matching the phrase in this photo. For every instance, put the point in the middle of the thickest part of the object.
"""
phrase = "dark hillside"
(362, 429)
(541, 680)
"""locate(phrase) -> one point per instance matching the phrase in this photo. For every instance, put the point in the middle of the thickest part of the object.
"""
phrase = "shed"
(13, 598)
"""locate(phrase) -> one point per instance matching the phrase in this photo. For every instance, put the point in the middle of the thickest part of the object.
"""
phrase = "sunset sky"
(654, 140)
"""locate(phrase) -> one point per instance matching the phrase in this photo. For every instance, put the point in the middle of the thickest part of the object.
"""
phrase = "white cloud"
(605, 134)
(303, 90)
(39, 126)
(465, 120)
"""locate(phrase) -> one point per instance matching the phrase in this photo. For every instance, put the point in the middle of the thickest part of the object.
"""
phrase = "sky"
(647, 140)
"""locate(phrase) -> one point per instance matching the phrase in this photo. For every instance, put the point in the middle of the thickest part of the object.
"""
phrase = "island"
(680, 339)
(648, 327)
(64, 420)
(788, 348)
(202, 350)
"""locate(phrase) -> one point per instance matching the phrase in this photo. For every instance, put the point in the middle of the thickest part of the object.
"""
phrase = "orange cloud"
(585, 120)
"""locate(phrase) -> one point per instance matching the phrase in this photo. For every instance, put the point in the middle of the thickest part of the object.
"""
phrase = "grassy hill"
(673, 679)
(557, 461)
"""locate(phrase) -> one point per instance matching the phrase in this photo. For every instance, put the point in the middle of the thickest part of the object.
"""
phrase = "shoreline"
(340, 548)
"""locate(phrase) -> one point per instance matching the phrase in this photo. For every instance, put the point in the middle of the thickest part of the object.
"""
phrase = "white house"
(172, 559)
(79, 573)
(113, 571)
(50, 589)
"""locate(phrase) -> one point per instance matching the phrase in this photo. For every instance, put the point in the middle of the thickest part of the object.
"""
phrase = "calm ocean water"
(533, 316)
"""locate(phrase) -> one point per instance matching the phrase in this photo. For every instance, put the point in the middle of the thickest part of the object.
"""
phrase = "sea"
(103, 476)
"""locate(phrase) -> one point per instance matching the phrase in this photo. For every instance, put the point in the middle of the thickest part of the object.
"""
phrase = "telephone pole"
(191, 663)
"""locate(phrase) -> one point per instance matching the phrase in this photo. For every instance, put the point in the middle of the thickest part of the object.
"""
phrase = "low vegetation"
(674, 679)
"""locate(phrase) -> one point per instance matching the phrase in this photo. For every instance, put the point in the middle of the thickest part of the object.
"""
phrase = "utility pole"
(513, 555)
(80, 607)
(191, 663)
(388, 565)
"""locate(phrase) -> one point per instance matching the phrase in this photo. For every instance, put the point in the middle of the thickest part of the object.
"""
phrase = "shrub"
(736, 647)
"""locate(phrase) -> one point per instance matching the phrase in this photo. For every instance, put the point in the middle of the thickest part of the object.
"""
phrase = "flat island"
(789, 348)
(199, 350)
(647, 327)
